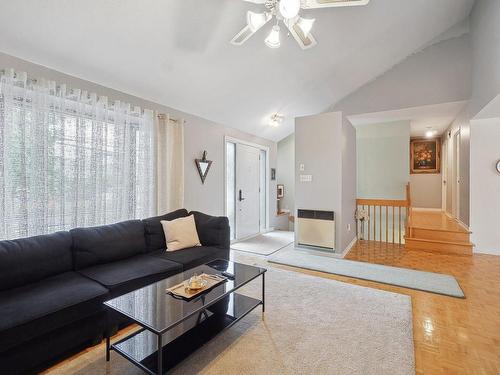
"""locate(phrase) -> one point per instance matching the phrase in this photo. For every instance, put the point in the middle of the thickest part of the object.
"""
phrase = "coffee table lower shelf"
(141, 347)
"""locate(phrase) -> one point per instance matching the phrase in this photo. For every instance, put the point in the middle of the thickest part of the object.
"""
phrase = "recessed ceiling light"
(430, 133)
(275, 120)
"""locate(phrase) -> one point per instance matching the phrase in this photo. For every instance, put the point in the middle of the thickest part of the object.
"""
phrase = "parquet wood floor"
(452, 336)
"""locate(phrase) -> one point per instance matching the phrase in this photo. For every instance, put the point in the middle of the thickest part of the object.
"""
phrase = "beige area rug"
(311, 326)
(266, 243)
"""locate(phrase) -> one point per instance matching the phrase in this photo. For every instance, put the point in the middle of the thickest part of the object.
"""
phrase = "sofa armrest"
(212, 230)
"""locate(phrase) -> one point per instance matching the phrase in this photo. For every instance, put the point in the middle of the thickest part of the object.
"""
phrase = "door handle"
(240, 197)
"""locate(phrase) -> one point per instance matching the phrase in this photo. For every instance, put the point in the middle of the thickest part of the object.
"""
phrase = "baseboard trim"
(427, 209)
(349, 247)
(463, 225)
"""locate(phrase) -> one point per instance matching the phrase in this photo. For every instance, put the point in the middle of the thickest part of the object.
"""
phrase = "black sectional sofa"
(52, 287)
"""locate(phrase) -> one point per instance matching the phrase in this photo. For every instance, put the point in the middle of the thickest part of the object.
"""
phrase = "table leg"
(160, 355)
(263, 292)
(107, 348)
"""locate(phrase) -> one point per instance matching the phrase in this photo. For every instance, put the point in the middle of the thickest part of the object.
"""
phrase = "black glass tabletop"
(154, 308)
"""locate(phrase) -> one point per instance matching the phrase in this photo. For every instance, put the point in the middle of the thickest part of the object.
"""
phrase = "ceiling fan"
(287, 11)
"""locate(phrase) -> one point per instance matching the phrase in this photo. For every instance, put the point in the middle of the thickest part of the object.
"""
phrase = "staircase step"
(440, 235)
(438, 246)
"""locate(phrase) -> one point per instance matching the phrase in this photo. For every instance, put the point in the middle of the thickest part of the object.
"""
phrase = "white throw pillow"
(180, 233)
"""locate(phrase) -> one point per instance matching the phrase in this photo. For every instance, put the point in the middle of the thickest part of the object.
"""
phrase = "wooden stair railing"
(408, 209)
(388, 219)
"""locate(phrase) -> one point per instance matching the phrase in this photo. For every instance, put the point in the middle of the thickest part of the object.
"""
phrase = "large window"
(69, 158)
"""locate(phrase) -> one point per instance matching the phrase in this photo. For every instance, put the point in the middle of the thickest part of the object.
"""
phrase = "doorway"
(246, 188)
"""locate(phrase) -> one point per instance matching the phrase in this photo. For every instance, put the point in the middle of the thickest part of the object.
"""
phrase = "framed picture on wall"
(425, 156)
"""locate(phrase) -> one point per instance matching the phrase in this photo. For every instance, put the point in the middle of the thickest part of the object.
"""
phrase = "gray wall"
(348, 184)
(383, 160)
(485, 31)
(426, 190)
(439, 73)
(285, 171)
(200, 134)
(318, 145)
(485, 86)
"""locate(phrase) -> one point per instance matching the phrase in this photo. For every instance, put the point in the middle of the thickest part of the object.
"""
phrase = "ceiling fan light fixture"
(256, 20)
(289, 8)
(273, 39)
(305, 25)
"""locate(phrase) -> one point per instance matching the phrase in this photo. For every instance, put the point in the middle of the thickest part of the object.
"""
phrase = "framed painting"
(425, 156)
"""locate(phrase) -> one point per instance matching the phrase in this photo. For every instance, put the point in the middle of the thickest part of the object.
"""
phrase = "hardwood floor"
(436, 232)
(452, 336)
(435, 220)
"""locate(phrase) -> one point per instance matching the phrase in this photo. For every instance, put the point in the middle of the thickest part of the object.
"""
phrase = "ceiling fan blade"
(313, 4)
(254, 22)
(242, 36)
(305, 41)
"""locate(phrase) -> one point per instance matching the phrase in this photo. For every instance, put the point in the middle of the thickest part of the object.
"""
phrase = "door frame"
(444, 172)
(266, 149)
(456, 137)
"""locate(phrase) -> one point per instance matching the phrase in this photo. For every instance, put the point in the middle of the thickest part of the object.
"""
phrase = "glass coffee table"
(172, 328)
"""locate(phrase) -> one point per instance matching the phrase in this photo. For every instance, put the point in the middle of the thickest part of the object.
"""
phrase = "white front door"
(247, 191)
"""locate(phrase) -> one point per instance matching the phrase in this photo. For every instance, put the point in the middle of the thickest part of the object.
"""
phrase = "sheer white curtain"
(170, 167)
(69, 158)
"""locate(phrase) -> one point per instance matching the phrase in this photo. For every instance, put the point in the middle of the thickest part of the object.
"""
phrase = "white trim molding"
(349, 247)
(427, 209)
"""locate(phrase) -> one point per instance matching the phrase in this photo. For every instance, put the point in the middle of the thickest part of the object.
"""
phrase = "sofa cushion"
(27, 260)
(107, 243)
(34, 309)
(155, 237)
(212, 230)
(126, 275)
(180, 233)
(193, 256)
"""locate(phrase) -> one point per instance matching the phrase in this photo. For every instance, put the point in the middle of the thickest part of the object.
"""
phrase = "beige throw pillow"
(180, 233)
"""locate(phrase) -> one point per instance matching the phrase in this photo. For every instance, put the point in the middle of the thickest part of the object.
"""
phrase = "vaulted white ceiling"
(177, 52)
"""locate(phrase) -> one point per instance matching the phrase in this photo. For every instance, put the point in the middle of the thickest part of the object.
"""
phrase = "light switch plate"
(301, 167)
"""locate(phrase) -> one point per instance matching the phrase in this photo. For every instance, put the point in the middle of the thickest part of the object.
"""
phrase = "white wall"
(285, 171)
(200, 134)
(383, 160)
(485, 185)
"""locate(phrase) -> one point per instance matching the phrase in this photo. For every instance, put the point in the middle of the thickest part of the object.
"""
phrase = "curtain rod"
(163, 116)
